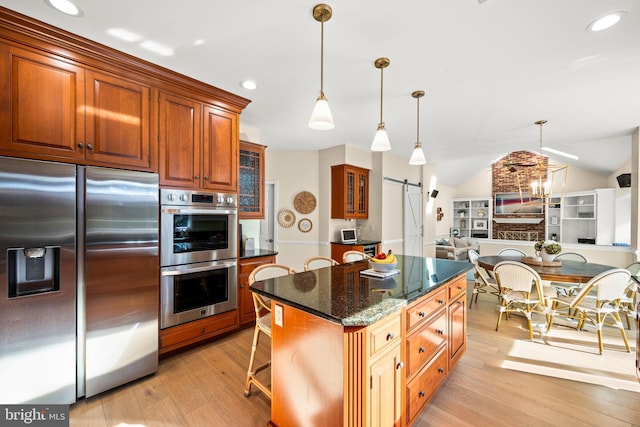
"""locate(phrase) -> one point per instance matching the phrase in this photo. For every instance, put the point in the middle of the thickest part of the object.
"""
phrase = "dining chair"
(608, 287)
(628, 302)
(568, 288)
(316, 262)
(352, 256)
(511, 252)
(483, 282)
(262, 307)
(570, 256)
(521, 291)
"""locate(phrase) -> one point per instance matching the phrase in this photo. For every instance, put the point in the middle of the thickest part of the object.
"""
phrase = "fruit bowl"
(382, 267)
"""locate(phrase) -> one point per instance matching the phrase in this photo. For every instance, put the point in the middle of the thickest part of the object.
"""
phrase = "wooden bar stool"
(263, 322)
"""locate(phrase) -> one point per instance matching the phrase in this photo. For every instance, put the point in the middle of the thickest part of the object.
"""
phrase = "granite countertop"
(359, 242)
(342, 295)
(256, 253)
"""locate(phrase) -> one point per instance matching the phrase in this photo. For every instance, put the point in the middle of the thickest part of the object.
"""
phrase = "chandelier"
(536, 182)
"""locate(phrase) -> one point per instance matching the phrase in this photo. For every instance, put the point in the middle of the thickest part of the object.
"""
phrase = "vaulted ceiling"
(490, 69)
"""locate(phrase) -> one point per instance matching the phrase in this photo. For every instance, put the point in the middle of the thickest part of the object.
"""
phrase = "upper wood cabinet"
(251, 187)
(66, 98)
(62, 111)
(349, 192)
(198, 145)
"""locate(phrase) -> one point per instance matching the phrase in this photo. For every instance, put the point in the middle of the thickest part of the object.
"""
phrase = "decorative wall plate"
(286, 218)
(304, 202)
(305, 225)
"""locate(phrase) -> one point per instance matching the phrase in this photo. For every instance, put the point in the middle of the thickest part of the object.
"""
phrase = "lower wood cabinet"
(245, 300)
(385, 373)
(180, 336)
(435, 340)
(457, 320)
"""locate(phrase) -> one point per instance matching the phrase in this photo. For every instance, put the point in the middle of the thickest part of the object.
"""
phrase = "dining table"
(568, 271)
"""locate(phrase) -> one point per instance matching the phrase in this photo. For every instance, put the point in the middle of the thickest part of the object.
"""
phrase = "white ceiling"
(489, 69)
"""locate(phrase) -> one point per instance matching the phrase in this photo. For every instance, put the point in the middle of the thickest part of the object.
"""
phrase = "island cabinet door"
(386, 389)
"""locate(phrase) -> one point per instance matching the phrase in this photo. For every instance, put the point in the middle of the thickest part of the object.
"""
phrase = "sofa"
(455, 248)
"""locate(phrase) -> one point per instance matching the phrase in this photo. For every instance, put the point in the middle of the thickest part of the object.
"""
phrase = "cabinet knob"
(80, 145)
(197, 177)
(459, 288)
(440, 370)
(241, 286)
(459, 302)
(90, 147)
(421, 313)
(440, 301)
(421, 394)
(440, 331)
(421, 350)
(400, 365)
(203, 330)
(390, 336)
(206, 177)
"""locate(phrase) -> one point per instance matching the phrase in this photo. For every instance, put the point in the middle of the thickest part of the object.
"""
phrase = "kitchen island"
(351, 350)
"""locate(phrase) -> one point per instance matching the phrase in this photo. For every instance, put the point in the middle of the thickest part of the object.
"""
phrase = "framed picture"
(554, 220)
(480, 224)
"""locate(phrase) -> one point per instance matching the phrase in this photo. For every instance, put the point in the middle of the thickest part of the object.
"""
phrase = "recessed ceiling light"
(606, 21)
(198, 42)
(125, 35)
(65, 6)
(559, 153)
(157, 48)
(249, 84)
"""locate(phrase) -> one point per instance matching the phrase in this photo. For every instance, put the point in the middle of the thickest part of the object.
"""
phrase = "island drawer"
(422, 387)
(426, 307)
(457, 287)
(425, 342)
(385, 332)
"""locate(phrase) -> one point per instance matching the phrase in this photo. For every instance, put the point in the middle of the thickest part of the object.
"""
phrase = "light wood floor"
(503, 380)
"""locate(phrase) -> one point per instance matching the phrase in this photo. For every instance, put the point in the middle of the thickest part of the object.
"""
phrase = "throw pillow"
(460, 243)
(443, 242)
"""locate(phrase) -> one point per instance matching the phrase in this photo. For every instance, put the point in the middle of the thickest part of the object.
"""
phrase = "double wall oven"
(198, 255)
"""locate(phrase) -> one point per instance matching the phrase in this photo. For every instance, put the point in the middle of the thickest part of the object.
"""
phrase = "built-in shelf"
(518, 220)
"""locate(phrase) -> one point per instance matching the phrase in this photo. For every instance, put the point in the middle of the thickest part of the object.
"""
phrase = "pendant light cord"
(381, 87)
(322, 55)
(418, 123)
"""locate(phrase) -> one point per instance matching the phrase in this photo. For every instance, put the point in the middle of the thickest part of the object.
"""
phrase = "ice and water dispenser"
(33, 271)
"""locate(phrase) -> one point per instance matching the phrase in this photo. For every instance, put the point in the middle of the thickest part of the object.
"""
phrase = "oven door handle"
(217, 266)
(214, 211)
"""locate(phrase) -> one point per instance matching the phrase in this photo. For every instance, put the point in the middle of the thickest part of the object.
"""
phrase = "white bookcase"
(554, 220)
(589, 217)
(472, 217)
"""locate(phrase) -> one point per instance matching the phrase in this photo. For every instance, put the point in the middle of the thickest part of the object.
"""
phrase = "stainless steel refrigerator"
(78, 280)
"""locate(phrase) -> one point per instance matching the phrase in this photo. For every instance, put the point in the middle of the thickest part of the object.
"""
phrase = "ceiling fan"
(513, 166)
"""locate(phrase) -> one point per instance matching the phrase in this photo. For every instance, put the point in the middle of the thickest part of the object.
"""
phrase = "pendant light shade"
(381, 140)
(321, 118)
(417, 157)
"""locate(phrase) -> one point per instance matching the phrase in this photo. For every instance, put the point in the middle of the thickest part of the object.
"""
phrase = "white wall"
(295, 171)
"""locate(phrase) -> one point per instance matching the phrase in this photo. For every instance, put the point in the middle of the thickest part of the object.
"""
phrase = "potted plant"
(547, 249)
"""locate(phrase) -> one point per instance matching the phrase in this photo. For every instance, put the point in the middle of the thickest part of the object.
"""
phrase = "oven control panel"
(175, 197)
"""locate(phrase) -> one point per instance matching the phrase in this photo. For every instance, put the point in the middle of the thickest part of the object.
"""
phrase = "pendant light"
(535, 182)
(417, 157)
(321, 118)
(381, 140)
